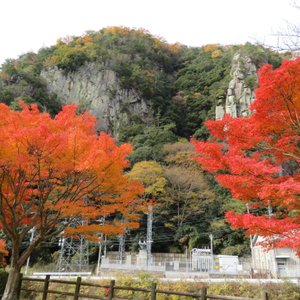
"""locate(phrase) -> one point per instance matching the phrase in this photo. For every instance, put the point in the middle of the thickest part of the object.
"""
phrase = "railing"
(112, 288)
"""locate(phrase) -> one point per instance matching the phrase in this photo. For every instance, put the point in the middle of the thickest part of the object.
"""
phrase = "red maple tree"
(257, 158)
(53, 171)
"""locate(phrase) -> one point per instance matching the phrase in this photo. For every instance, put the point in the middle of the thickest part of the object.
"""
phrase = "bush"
(3, 280)
(281, 291)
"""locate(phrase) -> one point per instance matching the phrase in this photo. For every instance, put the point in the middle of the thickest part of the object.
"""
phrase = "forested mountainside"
(155, 96)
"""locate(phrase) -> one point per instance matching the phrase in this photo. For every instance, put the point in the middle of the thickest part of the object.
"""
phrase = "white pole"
(251, 246)
(149, 234)
(211, 252)
(102, 222)
(99, 255)
(186, 258)
(32, 230)
(105, 246)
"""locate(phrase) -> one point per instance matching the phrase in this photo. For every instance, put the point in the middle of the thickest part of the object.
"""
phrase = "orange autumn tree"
(3, 253)
(257, 158)
(53, 171)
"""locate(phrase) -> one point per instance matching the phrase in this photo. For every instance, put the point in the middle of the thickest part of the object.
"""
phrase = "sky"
(28, 25)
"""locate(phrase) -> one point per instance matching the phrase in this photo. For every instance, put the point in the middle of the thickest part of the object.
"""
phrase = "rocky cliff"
(97, 89)
(240, 92)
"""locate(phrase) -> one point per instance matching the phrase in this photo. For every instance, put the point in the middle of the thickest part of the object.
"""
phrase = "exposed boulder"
(97, 89)
(240, 93)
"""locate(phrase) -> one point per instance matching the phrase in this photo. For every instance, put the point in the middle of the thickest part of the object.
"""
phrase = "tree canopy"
(53, 171)
(257, 158)
(181, 85)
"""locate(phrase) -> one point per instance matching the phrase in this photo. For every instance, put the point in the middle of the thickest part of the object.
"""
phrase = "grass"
(287, 290)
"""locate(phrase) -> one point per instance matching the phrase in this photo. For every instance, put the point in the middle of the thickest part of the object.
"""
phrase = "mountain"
(125, 76)
(154, 95)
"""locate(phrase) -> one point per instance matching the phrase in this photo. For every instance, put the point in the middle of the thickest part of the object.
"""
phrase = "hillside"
(155, 96)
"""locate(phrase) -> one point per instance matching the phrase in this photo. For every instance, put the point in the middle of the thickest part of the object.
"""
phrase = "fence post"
(264, 295)
(77, 288)
(111, 290)
(20, 278)
(46, 286)
(153, 291)
(203, 293)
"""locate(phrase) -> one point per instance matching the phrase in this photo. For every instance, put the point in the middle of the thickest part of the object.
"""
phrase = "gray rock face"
(97, 90)
(240, 90)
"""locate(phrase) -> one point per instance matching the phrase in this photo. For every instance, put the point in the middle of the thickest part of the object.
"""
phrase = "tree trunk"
(11, 288)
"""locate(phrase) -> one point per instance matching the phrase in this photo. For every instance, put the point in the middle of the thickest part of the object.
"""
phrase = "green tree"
(148, 141)
(151, 175)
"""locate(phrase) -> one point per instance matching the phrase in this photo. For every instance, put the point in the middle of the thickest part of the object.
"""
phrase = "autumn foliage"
(257, 158)
(53, 171)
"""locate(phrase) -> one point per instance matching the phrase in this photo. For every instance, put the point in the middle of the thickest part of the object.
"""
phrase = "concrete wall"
(281, 262)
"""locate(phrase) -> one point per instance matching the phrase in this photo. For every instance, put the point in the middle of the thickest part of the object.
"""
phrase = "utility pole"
(149, 233)
(270, 211)
(186, 258)
(105, 246)
(99, 255)
(121, 248)
(32, 232)
(211, 252)
(101, 221)
(251, 245)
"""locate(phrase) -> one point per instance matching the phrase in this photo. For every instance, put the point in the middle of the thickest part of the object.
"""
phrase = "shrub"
(3, 280)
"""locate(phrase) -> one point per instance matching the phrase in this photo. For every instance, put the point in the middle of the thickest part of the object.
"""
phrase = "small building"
(277, 262)
(229, 264)
(201, 260)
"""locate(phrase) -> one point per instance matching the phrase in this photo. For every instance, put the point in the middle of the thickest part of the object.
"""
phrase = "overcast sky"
(28, 25)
